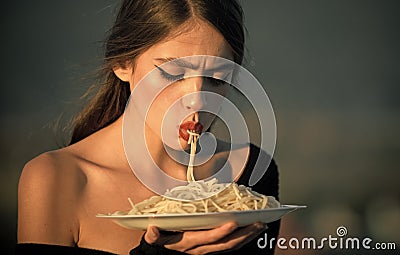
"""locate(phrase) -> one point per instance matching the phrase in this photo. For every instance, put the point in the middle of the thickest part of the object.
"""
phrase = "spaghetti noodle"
(202, 196)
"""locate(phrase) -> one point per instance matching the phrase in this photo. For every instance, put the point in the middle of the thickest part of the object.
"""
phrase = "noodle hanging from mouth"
(202, 196)
(193, 136)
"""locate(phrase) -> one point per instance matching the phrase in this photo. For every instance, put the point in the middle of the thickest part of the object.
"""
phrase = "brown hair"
(139, 25)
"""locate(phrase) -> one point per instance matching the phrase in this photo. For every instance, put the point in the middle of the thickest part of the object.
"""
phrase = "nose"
(194, 99)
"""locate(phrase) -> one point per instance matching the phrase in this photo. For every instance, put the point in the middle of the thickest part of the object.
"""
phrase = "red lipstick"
(189, 125)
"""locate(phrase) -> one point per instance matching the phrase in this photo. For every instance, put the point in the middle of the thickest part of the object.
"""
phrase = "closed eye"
(168, 76)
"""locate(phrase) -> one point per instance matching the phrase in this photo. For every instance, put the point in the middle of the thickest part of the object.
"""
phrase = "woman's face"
(183, 104)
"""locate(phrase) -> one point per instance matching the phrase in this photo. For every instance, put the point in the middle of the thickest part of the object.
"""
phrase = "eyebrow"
(187, 64)
(180, 62)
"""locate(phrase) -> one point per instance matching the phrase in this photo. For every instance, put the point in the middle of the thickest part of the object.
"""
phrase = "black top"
(268, 185)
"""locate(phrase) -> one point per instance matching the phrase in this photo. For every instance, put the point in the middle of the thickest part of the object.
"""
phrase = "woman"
(61, 191)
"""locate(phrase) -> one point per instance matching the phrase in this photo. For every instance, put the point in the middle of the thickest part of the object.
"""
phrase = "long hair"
(139, 25)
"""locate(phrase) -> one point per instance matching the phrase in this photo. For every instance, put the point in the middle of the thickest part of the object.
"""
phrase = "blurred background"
(330, 68)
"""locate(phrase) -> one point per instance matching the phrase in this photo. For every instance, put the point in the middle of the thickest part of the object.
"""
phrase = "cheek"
(163, 119)
(167, 120)
(163, 102)
(136, 78)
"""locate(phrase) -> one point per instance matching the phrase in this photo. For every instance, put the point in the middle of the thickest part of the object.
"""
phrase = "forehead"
(198, 38)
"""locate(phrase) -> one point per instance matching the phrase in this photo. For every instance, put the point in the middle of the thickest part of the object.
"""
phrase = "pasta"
(233, 198)
(202, 196)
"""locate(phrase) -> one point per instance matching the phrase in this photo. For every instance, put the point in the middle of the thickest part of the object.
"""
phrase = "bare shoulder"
(52, 170)
(48, 192)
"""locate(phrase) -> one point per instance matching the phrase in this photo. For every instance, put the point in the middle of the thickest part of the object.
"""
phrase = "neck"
(146, 149)
(104, 147)
(115, 141)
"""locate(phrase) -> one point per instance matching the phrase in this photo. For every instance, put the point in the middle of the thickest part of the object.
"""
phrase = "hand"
(225, 237)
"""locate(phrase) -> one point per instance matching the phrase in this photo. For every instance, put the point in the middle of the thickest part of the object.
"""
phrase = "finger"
(152, 235)
(260, 228)
(197, 238)
(191, 239)
(233, 241)
(243, 236)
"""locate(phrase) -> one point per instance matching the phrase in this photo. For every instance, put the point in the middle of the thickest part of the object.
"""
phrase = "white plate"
(195, 221)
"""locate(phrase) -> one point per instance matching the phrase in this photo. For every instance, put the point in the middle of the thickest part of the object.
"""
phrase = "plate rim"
(165, 215)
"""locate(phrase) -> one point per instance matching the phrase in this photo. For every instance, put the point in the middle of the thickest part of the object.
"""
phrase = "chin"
(178, 145)
(184, 144)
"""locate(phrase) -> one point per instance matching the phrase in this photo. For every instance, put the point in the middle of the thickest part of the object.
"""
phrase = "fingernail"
(153, 232)
(233, 226)
(261, 226)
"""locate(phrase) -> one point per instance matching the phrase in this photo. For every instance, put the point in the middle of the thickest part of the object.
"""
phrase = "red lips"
(189, 125)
